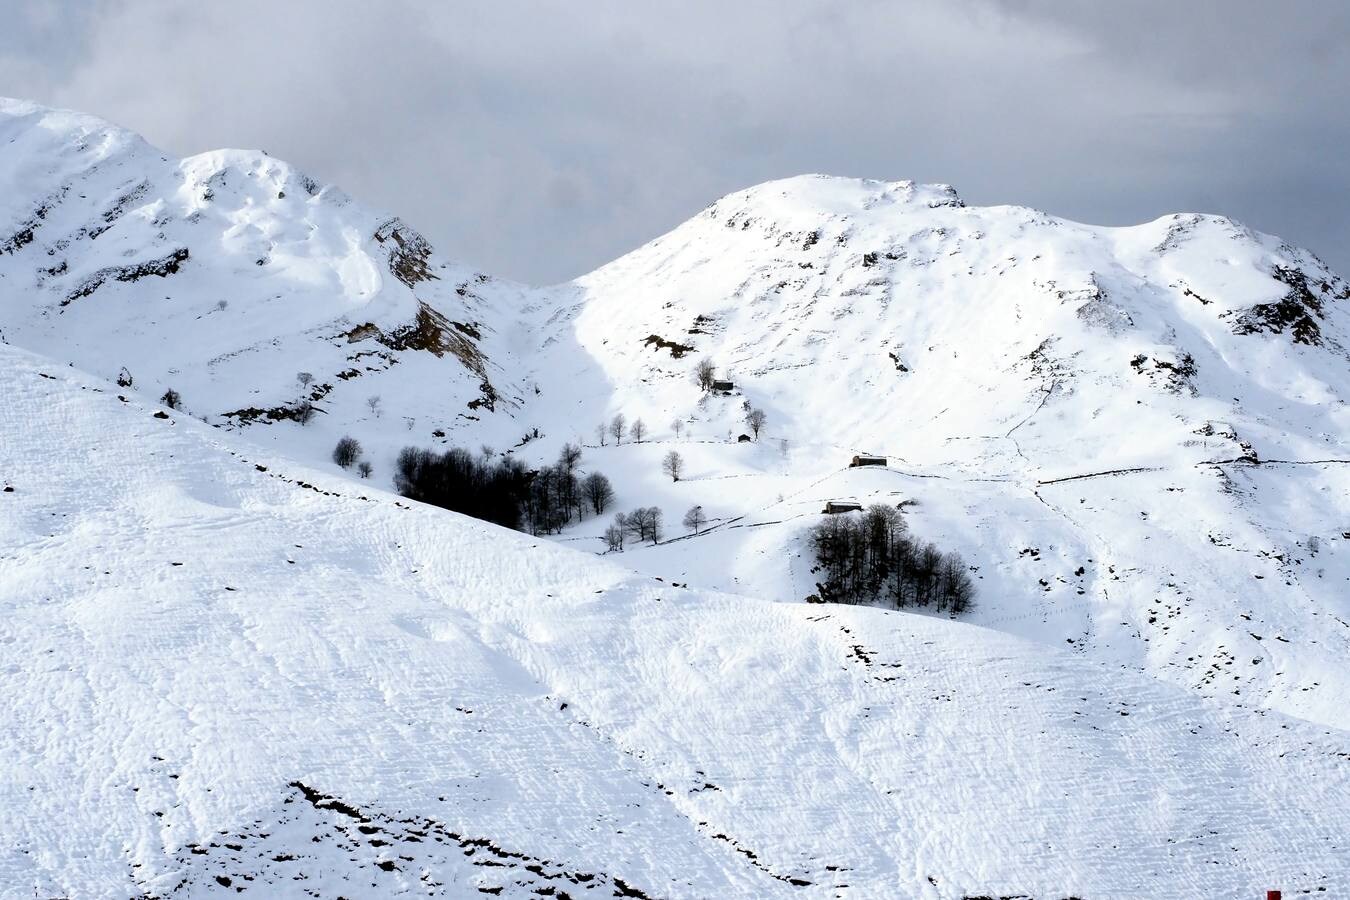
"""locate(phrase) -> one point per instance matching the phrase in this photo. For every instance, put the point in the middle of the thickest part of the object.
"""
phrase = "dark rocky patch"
(430, 331)
(1297, 312)
(311, 834)
(408, 253)
(164, 266)
(676, 349)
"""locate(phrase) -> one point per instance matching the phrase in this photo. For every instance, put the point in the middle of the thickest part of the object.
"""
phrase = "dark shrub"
(347, 452)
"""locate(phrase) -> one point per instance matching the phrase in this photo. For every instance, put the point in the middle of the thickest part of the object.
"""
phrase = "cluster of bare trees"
(870, 556)
(642, 524)
(619, 428)
(559, 493)
(500, 489)
(645, 524)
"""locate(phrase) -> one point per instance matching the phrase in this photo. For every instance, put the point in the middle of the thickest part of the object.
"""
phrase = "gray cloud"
(540, 139)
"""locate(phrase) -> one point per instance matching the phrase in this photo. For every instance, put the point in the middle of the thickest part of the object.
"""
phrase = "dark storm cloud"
(540, 139)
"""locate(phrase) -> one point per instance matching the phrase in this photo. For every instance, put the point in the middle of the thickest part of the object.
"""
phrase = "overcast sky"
(538, 140)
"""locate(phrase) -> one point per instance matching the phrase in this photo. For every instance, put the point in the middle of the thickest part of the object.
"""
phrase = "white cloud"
(539, 139)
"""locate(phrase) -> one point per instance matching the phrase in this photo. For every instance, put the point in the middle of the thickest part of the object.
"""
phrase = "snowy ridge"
(225, 274)
(232, 673)
(954, 323)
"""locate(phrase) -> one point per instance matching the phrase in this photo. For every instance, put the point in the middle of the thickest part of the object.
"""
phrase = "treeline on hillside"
(501, 489)
(870, 557)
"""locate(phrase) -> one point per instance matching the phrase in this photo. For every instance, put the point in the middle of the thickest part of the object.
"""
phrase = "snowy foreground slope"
(224, 671)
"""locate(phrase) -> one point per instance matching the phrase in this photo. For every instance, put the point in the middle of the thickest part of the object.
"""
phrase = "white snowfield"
(225, 671)
(228, 665)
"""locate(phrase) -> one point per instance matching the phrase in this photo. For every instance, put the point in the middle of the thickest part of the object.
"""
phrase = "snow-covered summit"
(225, 274)
(963, 318)
(799, 199)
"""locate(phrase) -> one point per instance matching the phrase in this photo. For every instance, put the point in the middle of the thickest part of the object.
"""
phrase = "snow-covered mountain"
(231, 659)
(225, 275)
(1137, 434)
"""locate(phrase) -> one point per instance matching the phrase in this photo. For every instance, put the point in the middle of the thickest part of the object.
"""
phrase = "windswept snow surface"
(224, 671)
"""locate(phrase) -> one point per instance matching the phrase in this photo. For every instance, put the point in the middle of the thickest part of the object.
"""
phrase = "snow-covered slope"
(1138, 435)
(225, 275)
(224, 672)
(892, 318)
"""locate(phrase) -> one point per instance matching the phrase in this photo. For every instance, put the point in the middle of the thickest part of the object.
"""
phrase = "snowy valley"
(231, 665)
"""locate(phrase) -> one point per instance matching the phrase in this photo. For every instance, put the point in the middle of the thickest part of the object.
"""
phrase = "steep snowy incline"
(225, 275)
(223, 672)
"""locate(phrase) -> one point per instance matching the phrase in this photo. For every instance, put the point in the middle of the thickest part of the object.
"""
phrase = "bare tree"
(618, 426)
(694, 520)
(568, 458)
(958, 591)
(365, 468)
(673, 465)
(616, 532)
(783, 447)
(704, 374)
(601, 432)
(347, 452)
(755, 419)
(597, 491)
(304, 378)
(638, 429)
(304, 412)
(373, 401)
(678, 427)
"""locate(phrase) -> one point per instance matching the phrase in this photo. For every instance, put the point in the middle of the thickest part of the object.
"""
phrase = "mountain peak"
(832, 195)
